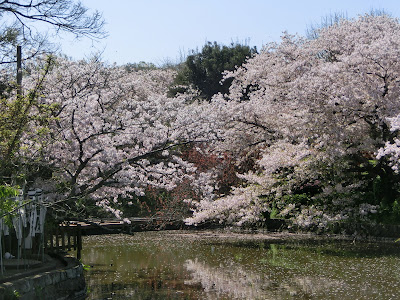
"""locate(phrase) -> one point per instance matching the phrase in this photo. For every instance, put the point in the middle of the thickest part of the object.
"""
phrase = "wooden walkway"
(68, 236)
(119, 226)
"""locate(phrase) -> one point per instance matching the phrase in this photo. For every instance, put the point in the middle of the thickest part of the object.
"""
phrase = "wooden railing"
(63, 238)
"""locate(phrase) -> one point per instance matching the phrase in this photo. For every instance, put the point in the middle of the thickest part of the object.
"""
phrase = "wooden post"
(57, 241)
(44, 240)
(19, 71)
(79, 240)
(75, 237)
(69, 236)
(51, 236)
(63, 238)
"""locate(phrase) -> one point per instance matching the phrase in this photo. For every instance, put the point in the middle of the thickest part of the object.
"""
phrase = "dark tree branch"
(65, 15)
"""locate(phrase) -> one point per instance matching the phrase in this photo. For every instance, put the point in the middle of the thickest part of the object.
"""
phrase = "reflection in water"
(238, 283)
(228, 280)
(182, 265)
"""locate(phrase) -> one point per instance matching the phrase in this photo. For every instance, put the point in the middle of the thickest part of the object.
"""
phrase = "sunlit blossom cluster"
(309, 126)
(304, 109)
(115, 133)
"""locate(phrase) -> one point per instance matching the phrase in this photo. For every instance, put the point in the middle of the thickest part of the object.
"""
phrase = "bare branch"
(64, 15)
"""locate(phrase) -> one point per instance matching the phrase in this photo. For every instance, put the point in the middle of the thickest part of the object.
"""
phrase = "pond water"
(219, 265)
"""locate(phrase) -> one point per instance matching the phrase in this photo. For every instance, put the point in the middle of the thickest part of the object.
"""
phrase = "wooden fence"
(65, 237)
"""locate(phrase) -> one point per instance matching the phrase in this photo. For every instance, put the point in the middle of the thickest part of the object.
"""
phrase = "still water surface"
(217, 265)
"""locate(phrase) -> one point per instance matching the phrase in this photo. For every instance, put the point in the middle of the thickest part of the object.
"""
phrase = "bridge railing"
(65, 237)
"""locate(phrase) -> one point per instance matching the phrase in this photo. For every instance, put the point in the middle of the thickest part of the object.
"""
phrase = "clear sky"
(161, 30)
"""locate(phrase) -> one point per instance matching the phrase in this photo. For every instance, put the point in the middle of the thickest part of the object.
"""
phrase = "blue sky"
(161, 30)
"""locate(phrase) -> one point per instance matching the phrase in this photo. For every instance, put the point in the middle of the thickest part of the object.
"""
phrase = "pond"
(220, 265)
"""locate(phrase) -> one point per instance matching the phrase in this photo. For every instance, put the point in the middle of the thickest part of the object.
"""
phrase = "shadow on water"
(144, 285)
(171, 265)
(338, 248)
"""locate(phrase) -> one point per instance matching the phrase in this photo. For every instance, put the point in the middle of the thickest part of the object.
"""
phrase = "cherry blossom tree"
(312, 125)
(114, 133)
(313, 114)
(391, 149)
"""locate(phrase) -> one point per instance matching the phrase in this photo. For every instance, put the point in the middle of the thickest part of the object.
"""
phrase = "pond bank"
(58, 278)
(277, 236)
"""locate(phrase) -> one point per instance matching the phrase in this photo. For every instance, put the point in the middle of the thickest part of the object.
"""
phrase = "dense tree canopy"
(305, 130)
(113, 133)
(204, 70)
(23, 115)
(317, 113)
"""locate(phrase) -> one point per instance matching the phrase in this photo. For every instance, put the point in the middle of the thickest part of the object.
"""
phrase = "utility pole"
(19, 71)
(19, 82)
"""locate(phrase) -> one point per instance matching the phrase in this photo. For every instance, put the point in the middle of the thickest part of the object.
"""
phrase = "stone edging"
(65, 283)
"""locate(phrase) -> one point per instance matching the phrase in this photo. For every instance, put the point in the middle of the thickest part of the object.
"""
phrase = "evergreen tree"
(204, 70)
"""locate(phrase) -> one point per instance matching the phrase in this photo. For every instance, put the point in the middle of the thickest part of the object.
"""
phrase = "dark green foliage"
(7, 202)
(364, 181)
(140, 66)
(204, 70)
